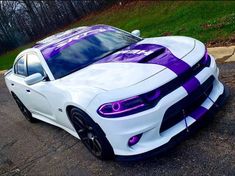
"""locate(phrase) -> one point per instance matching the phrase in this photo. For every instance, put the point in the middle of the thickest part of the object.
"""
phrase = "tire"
(91, 135)
(27, 114)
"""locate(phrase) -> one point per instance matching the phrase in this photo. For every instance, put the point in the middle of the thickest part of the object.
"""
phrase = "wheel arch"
(79, 105)
(13, 94)
(69, 108)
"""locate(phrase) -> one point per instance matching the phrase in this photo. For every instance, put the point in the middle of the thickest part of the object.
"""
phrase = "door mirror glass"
(136, 33)
(33, 79)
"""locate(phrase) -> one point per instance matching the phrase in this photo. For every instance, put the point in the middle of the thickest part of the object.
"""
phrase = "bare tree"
(23, 21)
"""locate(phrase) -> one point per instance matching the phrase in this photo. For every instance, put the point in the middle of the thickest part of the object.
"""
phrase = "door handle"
(27, 90)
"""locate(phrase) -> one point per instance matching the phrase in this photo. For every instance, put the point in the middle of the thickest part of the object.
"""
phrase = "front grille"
(174, 114)
(181, 79)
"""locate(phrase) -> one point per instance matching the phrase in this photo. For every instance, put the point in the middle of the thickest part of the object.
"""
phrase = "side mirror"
(33, 79)
(136, 33)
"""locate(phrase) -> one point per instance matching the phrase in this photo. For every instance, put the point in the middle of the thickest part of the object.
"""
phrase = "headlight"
(130, 105)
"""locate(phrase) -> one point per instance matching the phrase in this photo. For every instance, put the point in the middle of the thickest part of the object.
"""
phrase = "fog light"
(134, 140)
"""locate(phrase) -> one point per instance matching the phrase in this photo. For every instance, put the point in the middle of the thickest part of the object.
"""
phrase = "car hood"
(108, 76)
(134, 64)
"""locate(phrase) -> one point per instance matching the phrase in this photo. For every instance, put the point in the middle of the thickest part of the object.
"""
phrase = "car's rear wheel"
(91, 134)
(27, 114)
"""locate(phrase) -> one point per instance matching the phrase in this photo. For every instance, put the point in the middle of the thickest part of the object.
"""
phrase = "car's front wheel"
(24, 110)
(91, 134)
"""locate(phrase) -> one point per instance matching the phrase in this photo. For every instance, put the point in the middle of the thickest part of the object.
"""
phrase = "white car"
(124, 96)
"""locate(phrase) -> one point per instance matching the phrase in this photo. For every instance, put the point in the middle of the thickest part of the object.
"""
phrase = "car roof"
(66, 35)
(60, 35)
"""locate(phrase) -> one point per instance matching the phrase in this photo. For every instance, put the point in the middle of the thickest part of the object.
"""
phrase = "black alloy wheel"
(91, 135)
(27, 114)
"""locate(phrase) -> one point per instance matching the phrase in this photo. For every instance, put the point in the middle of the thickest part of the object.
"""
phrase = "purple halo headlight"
(153, 95)
(130, 105)
(114, 109)
(116, 106)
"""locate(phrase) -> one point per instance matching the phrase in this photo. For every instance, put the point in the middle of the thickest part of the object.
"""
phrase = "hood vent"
(153, 55)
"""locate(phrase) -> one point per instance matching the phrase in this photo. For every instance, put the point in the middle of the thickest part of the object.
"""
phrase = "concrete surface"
(42, 149)
(223, 54)
(232, 58)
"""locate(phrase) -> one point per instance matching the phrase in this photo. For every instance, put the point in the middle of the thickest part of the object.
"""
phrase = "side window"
(34, 65)
(20, 67)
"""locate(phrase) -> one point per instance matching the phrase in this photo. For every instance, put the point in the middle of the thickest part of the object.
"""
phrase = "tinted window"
(34, 65)
(20, 67)
(86, 51)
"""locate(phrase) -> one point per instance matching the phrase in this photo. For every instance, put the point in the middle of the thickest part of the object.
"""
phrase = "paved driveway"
(42, 149)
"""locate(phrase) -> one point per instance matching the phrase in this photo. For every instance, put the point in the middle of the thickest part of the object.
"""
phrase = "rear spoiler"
(7, 72)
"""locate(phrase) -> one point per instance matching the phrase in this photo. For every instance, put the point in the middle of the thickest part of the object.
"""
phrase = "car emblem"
(197, 66)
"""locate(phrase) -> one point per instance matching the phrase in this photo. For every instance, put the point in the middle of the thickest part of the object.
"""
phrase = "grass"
(207, 21)
(7, 59)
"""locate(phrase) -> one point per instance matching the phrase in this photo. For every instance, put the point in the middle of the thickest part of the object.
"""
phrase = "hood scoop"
(137, 53)
(154, 55)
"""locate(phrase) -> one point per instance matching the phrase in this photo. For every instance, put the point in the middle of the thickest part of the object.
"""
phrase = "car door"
(36, 94)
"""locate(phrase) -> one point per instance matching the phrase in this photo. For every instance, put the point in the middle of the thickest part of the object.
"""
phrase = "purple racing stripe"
(173, 63)
(150, 54)
(191, 85)
(198, 113)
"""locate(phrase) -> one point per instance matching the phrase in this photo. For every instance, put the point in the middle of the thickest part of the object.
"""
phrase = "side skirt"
(45, 119)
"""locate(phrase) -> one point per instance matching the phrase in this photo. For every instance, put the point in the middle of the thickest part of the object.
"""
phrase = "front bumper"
(148, 123)
(183, 134)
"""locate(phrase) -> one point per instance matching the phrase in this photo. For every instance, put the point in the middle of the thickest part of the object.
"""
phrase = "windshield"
(86, 51)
